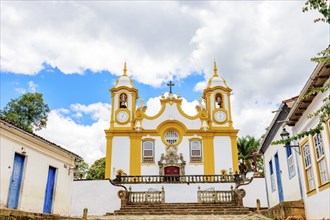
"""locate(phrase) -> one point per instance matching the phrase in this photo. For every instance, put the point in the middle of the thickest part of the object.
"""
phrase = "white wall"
(100, 197)
(290, 186)
(255, 190)
(222, 154)
(317, 206)
(171, 113)
(35, 174)
(120, 155)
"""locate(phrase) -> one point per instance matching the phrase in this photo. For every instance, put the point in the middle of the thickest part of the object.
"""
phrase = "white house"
(302, 170)
(280, 163)
(36, 175)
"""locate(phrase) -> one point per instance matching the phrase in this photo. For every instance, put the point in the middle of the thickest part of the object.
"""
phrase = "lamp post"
(285, 135)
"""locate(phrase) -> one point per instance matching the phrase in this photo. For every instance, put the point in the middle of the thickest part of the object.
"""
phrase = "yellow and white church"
(171, 142)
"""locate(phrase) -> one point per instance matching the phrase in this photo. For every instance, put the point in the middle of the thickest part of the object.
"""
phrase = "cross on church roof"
(170, 85)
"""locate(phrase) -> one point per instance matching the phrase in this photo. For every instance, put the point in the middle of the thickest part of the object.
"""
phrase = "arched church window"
(147, 151)
(218, 101)
(171, 137)
(195, 151)
(123, 100)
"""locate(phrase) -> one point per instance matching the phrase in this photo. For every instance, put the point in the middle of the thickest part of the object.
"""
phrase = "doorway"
(278, 178)
(49, 194)
(16, 181)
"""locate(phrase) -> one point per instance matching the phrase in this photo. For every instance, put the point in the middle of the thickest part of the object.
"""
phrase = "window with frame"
(148, 151)
(308, 167)
(290, 160)
(320, 159)
(196, 151)
(171, 137)
(272, 176)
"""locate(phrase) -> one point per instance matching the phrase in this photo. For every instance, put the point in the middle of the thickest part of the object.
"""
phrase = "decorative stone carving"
(171, 158)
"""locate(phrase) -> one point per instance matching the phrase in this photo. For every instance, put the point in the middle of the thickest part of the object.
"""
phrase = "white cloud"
(262, 48)
(87, 141)
(200, 86)
(32, 86)
(153, 105)
(20, 90)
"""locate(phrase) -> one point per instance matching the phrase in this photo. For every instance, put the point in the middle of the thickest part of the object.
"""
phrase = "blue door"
(15, 181)
(278, 178)
(49, 194)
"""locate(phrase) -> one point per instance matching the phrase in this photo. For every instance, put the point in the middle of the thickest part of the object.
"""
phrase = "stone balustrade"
(149, 196)
(152, 179)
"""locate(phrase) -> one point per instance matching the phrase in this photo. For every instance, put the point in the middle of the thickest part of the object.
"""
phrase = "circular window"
(171, 137)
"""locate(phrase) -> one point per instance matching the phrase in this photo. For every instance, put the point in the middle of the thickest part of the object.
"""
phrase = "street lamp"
(285, 135)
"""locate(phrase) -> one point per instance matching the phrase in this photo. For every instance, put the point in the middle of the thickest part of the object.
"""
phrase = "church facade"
(171, 142)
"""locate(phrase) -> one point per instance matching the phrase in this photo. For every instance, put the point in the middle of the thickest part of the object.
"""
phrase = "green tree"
(82, 169)
(320, 5)
(246, 147)
(28, 111)
(97, 170)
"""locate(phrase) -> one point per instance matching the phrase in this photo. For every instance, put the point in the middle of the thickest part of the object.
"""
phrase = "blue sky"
(61, 90)
(73, 51)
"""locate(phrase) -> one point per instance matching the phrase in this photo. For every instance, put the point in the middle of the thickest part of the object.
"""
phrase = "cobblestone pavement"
(180, 217)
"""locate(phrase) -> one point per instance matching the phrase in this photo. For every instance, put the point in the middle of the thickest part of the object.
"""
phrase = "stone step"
(200, 212)
(182, 208)
(197, 205)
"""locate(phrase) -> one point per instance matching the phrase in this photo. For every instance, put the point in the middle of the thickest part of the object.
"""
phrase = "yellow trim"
(229, 110)
(108, 157)
(123, 110)
(324, 186)
(316, 162)
(125, 70)
(327, 128)
(222, 110)
(168, 125)
(178, 102)
(234, 152)
(311, 193)
(196, 163)
(195, 139)
(208, 155)
(135, 155)
(302, 144)
(125, 131)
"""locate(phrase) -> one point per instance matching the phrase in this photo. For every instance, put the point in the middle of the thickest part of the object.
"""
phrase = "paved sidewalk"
(180, 217)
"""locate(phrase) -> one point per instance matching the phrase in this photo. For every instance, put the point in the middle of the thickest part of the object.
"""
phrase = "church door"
(172, 171)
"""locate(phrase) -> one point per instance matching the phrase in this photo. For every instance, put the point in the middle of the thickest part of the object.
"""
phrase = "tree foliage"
(28, 111)
(320, 5)
(97, 170)
(82, 169)
(246, 147)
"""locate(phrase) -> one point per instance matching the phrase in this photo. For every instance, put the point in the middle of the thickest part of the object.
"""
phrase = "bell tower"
(217, 100)
(124, 97)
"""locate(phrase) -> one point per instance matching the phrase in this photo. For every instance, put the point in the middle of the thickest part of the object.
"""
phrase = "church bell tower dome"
(215, 80)
(124, 80)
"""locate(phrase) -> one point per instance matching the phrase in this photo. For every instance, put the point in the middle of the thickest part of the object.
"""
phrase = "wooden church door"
(172, 171)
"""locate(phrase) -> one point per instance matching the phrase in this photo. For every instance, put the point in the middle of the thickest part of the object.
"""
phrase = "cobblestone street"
(181, 217)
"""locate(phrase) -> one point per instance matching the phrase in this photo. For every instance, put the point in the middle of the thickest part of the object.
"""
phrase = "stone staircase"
(181, 209)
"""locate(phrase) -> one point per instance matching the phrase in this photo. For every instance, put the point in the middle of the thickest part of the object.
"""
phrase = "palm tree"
(246, 146)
